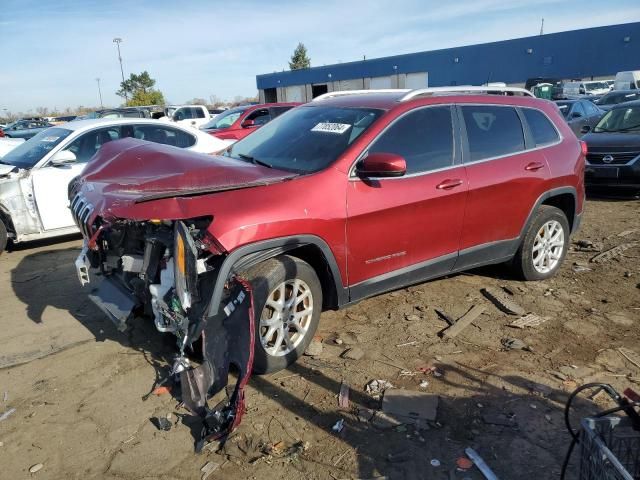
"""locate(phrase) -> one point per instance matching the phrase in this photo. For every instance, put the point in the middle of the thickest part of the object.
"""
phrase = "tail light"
(1, 133)
(584, 147)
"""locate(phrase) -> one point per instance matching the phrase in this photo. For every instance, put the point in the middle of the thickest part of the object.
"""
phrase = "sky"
(53, 51)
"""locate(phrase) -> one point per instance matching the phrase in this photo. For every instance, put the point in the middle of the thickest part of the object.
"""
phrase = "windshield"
(614, 98)
(305, 139)
(226, 119)
(564, 107)
(591, 86)
(27, 154)
(620, 120)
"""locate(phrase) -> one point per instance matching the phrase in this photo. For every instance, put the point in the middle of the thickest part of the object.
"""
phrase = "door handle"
(448, 184)
(534, 166)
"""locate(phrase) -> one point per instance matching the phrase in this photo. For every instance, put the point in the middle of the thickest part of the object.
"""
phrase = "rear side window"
(542, 130)
(164, 135)
(492, 131)
(423, 137)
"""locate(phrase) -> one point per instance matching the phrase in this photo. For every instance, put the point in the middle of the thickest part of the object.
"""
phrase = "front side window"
(88, 144)
(260, 117)
(225, 119)
(305, 140)
(619, 120)
(492, 131)
(542, 130)
(424, 138)
(197, 112)
(577, 111)
(28, 153)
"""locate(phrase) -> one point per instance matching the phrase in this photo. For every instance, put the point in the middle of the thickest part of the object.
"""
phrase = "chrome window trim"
(353, 176)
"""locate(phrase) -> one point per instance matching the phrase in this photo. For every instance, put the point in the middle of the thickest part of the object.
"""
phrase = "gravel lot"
(77, 384)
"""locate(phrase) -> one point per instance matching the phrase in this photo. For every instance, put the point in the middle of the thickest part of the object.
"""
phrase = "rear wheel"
(287, 298)
(544, 245)
(4, 237)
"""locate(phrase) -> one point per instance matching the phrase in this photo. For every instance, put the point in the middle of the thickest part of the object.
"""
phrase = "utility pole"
(542, 27)
(118, 41)
(99, 92)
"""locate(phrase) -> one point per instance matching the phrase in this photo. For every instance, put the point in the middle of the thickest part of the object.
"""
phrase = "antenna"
(542, 27)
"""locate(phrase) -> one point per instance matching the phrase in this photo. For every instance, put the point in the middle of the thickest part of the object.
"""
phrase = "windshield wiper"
(255, 161)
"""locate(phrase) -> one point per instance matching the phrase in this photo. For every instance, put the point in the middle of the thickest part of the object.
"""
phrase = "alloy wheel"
(548, 246)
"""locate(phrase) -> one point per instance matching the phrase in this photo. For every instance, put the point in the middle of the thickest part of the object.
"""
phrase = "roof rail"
(469, 89)
(340, 93)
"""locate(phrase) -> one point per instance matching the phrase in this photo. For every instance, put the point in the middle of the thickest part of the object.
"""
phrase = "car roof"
(80, 125)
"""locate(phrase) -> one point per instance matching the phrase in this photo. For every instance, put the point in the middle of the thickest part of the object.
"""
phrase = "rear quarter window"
(492, 131)
(542, 130)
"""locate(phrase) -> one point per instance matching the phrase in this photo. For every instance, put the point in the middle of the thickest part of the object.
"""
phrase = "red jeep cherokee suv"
(349, 196)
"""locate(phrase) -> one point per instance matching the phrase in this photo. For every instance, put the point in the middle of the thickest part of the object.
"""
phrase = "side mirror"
(585, 129)
(63, 158)
(248, 124)
(382, 165)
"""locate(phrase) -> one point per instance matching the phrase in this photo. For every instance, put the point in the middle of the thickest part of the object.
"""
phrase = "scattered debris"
(480, 463)
(463, 463)
(408, 344)
(412, 317)
(161, 390)
(162, 423)
(581, 267)
(409, 406)
(315, 347)
(431, 371)
(36, 468)
(613, 252)
(6, 397)
(587, 245)
(463, 322)
(424, 384)
(384, 421)
(208, 469)
(626, 233)
(619, 318)
(435, 462)
(343, 397)
(7, 414)
(339, 426)
(353, 353)
(338, 341)
(445, 317)
(515, 344)
(529, 320)
(499, 419)
(502, 301)
(376, 387)
(630, 355)
(365, 414)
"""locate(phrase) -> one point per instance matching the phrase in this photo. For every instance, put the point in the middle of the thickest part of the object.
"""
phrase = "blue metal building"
(579, 54)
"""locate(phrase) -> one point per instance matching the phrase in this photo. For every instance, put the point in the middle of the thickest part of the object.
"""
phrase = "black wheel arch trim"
(249, 255)
(554, 192)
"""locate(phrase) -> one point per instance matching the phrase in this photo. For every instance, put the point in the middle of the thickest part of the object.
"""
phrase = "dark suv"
(332, 202)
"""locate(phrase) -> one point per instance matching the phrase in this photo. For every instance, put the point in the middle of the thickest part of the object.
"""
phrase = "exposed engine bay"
(166, 271)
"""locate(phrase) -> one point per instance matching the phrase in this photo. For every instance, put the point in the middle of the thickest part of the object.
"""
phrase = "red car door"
(405, 229)
(506, 176)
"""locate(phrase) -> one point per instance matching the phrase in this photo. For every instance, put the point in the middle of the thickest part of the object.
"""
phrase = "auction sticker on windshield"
(49, 139)
(327, 127)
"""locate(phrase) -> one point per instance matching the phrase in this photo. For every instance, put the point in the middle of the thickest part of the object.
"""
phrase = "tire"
(268, 280)
(545, 261)
(4, 237)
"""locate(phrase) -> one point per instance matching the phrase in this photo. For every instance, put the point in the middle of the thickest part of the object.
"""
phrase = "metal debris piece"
(343, 397)
(480, 463)
(376, 387)
(530, 320)
(515, 344)
(7, 414)
(36, 468)
(504, 303)
(445, 317)
(435, 462)
(463, 322)
(208, 469)
(630, 355)
(613, 252)
(162, 423)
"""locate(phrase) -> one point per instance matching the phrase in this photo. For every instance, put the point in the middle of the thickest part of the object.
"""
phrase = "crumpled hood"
(149, 171)
(7, 169)
(606, 142)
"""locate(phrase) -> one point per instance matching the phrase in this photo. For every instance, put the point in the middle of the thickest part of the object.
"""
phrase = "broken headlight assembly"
(185, 265)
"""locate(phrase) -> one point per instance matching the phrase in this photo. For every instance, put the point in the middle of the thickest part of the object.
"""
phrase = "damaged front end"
(167, 270)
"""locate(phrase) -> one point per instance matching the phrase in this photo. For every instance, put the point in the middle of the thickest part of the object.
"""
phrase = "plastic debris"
(435, 462)
(464, 463)
(515, 344)
(530, 320)
(7, 414)
(162, 423)
(36, 468)
(343, 397)
(424, 384)
(480, 463)
(339, 426)
(163, 390)
(376, 387)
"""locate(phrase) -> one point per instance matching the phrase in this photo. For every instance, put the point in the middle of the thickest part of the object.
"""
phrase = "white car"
(8, 144)
(187, 115)
(35, 175)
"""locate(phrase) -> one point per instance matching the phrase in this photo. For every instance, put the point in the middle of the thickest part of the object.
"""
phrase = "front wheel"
(544, 245)
(4, 236)
(287, 298)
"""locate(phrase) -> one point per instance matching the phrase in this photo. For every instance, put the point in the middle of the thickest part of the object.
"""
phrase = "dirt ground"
(76, 383)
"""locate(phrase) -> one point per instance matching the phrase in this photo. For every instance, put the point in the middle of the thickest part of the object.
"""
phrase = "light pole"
(117, 41)
(99, 92)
